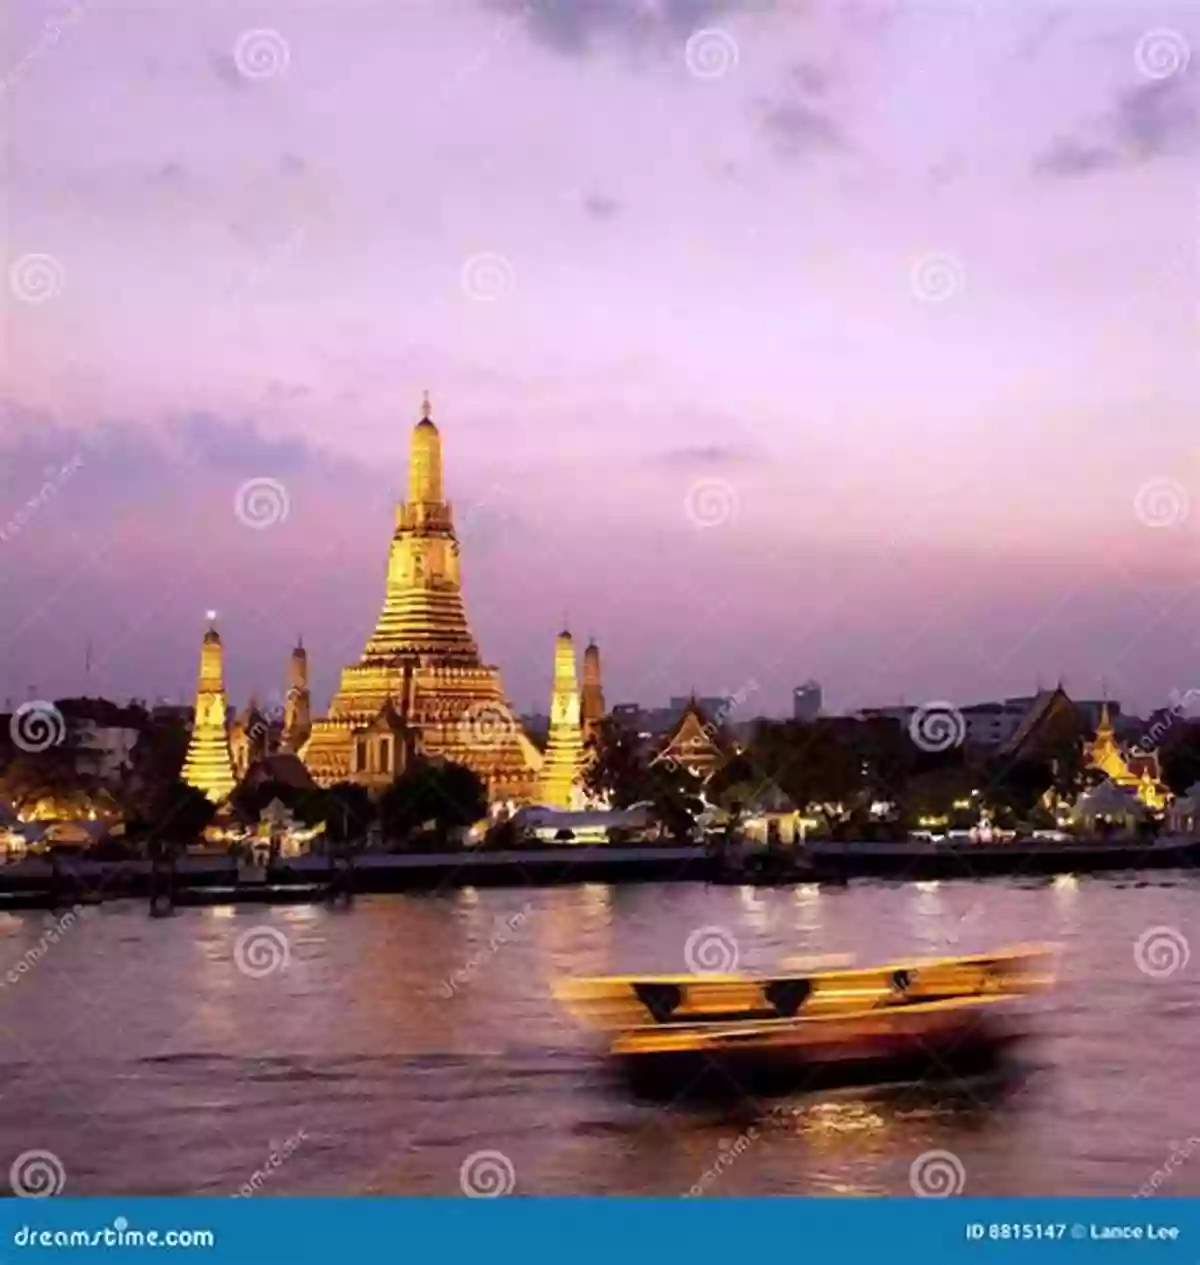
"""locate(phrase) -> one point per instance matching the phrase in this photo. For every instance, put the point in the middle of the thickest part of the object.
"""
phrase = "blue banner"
(613, 1231)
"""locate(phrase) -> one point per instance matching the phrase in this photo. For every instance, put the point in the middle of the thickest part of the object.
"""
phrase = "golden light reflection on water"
(929, 917)
(808, 912)
(597, 899)
(847, 1130)
(1066, 901)
(573, 936)
(754, 907)
(826, 1122)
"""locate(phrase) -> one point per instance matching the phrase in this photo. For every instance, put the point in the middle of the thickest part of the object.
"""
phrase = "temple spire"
(562, 768)
(592, 699)
(209, 763)
(425, 460)
(421, 685)
(297, 704)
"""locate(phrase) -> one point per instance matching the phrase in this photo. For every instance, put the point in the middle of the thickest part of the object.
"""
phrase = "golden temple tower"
(562, 768)
(421, 676)
(209, 764)
(297, 704)
(592, 707)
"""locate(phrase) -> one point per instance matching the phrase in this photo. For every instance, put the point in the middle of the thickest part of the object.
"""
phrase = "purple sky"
(767, 340)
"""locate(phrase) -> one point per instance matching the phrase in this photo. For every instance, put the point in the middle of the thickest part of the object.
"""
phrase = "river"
(379, 1049)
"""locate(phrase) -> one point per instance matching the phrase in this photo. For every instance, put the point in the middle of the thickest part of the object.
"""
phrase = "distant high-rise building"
(806, 702)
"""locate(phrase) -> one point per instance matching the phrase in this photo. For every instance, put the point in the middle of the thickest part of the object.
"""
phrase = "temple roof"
(1045, 705)
(695, 736)
(1108, 799)
(282, 767)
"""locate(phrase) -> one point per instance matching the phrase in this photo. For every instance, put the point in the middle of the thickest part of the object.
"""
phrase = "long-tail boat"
(942, 1011)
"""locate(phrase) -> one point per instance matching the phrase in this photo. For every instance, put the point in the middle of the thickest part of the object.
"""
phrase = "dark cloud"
(133, 453)
(169, 173)
(1156, 119)
(225, 68)
(239, 447)
(811, 79)
(798, 127)
(282, 392)
(800, 119)
(575, 27)
(600, 207)
(713, 454)
(1066, 157)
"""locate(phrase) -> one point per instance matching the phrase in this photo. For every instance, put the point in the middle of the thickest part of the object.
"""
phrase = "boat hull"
(919, 1042)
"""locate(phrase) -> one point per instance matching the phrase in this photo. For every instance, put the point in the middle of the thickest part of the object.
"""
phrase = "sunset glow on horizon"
(856, 341)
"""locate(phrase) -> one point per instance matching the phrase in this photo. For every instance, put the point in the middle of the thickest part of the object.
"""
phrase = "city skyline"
(750, 374)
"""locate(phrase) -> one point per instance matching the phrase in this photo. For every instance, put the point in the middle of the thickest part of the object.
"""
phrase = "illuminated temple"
(1136, 771)
(209, 764)
(420, 687)
(562, 767)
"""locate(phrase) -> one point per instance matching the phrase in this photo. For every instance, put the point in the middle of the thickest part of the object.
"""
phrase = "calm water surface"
(140, 1054)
